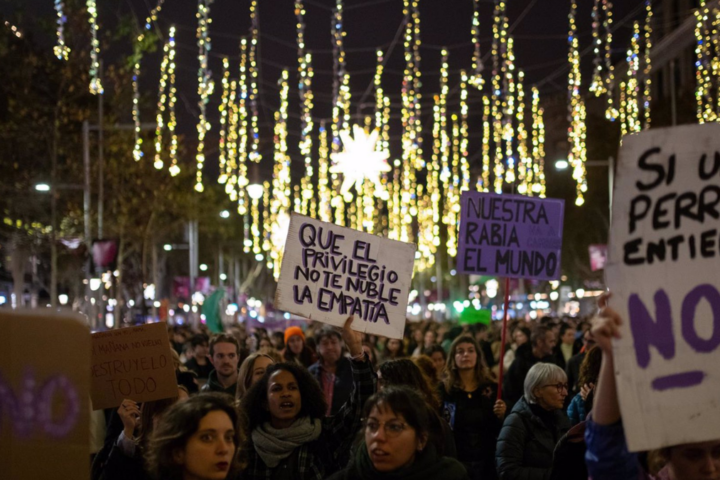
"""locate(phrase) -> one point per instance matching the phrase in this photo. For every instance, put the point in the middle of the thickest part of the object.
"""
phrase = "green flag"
(211, 310)
(471, 316)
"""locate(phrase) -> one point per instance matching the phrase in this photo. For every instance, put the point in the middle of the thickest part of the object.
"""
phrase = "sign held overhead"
(510, 236)
(664, 272)
(330, 272)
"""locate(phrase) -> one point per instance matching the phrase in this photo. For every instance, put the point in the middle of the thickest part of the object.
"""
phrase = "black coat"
(573, 373)
(514, 380)
(526, 443)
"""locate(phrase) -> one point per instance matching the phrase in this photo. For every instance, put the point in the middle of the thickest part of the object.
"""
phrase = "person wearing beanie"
(296, 350)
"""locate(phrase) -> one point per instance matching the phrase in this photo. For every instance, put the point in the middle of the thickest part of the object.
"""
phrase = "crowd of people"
(324, 402)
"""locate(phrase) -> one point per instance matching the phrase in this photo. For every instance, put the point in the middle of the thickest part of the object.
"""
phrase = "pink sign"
(598, 257)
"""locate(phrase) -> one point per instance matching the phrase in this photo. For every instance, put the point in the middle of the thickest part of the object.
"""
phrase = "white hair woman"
(535, 425)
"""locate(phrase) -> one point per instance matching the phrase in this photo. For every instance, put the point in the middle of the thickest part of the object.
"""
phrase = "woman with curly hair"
(582, 403)
(469, 394)
(400, 441)
(289, 436)
(197, 439)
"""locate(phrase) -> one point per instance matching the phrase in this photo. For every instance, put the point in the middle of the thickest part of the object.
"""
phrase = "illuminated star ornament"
(360, 161)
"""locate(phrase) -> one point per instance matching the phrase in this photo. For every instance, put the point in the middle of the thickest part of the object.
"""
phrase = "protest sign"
(471, 315)
(44, 396)
(330, 272)
(133, 363)
(664, 272)
(510, 236)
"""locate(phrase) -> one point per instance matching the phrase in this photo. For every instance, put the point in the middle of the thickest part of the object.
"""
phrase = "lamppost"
(609, 164)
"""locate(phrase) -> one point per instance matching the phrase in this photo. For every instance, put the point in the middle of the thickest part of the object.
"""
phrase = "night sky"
(538, 26)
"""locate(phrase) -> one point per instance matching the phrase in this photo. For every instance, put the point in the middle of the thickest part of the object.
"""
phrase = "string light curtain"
(280, 204)
(166, 102)
(95, 82)
(576, 113)
(476, 80)
(305, 72)
(647, 65)
(61, 50)
(538, 144)
(253, 69)
(341, 107)
(707, 66)
(205, 86)
(242, 179)
(603, 78)
(137, 56)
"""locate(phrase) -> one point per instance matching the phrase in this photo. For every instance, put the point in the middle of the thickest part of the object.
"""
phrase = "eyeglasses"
(392, 429)
(560, 386)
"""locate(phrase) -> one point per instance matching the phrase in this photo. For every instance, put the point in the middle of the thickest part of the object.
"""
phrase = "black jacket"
(514, 380)
(573, 373)
(526, 443)
(214, 385)
(343, 382)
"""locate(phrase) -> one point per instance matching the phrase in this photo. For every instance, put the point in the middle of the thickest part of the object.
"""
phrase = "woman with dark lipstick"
(197, 439)
(289, 436)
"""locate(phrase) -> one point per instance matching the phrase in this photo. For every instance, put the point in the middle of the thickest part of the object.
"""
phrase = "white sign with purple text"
(664, 273)
(330, 272)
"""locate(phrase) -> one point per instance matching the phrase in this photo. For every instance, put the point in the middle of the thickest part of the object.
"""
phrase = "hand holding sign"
(353, 339)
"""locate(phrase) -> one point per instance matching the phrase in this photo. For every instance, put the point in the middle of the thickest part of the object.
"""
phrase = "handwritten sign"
(329, 273)
(664, 271)
(133, 363)
(44, 396)
(510, 236)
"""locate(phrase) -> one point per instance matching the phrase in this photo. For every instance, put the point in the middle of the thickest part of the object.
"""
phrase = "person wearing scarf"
(289, 436)
(400, 442)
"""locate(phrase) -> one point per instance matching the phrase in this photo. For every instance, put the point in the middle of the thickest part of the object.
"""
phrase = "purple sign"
(510, 236)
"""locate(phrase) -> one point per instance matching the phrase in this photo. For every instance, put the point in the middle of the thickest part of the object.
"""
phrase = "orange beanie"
(290, 331)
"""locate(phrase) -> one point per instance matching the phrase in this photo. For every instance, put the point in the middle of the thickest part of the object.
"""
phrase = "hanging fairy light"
(137, 55)
(631, 118)
(525, 163)
(444, 139)
(499, 90)
(464, 139)
(538, 143)
(451, 193)
(484, 178)
(706, 75)
(205, 86)
(253, 69)
(242, 177)
(61, 50)
(324, 195)
(280, 203)
(305, 72)
(577, 113)
(174, 169)
(95, 82)
(15, 31)
(162, 99)
(341, 107)
(476, 80)
(508, 117)
(223, 110)
(231, 187)
(647, 65)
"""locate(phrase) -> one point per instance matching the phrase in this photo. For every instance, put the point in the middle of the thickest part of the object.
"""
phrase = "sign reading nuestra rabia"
(664, 272)
(330, 272)
(510, 236)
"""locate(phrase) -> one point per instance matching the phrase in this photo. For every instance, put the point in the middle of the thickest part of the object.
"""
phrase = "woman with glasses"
(471, 407)
(400, 441)
(535, 425)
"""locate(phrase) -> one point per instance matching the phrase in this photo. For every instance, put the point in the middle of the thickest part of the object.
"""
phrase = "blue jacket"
(576, 410)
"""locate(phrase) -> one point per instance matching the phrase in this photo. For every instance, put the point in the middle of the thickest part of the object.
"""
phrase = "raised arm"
(607, 456)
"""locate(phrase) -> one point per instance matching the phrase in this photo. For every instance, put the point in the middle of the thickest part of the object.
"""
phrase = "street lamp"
(224, 214)
(167, 247)
(255, 191)
(42, 187)
(203, 267)
(561, 165)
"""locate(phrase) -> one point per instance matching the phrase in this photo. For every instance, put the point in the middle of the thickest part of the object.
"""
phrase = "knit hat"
(290, 331)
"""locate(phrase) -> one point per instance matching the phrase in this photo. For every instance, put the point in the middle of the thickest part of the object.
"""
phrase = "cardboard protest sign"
(510, 236)
(664, 272)
(329, 273)
(133, 363)
(44, 396)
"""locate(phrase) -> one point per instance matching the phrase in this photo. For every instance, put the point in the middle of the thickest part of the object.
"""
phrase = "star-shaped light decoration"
(360, 161)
